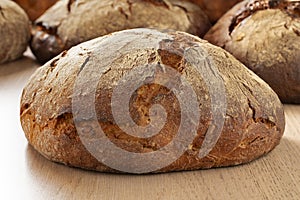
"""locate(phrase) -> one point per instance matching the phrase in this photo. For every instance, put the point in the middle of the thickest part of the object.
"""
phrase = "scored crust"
(254, 121)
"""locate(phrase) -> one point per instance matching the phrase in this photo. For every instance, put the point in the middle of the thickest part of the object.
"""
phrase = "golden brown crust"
(67, 24)
(254, 121)
(266, 40)
(14, 31)
(215, 9)
(35, 8)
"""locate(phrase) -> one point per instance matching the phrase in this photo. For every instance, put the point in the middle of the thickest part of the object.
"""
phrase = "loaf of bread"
(265, 36)
(68, 23)
(14, 31)
(216, 8)
(35, 8)
(216, 112)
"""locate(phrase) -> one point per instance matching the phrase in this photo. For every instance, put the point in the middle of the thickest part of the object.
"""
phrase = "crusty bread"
(266, 39)
(253, 115)
(68, 23)
(14, 31)
(35, 8)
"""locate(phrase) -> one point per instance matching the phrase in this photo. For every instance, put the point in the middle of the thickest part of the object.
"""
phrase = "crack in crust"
(291, 7)
(70, 4)
(1, 12)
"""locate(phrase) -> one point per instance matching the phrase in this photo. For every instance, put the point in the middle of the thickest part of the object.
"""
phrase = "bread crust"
(35, 8)
(68, 23)
(254, 121)
(14, 31)
(215, 9)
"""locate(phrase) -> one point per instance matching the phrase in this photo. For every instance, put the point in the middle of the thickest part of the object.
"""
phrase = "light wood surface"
(27, 175)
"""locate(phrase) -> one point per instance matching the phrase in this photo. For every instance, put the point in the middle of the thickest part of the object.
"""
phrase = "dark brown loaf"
(35, 8)
(14, 31)
(267, 40)
(254, 121)
(68, 23)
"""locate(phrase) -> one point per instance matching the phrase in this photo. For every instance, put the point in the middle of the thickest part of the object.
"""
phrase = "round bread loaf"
(265, 36)
(68, 22)
(14, 31)
(35, 8)
(216, 8)
(142, 101)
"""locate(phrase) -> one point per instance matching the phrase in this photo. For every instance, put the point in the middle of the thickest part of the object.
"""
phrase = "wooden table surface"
(27, 175)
